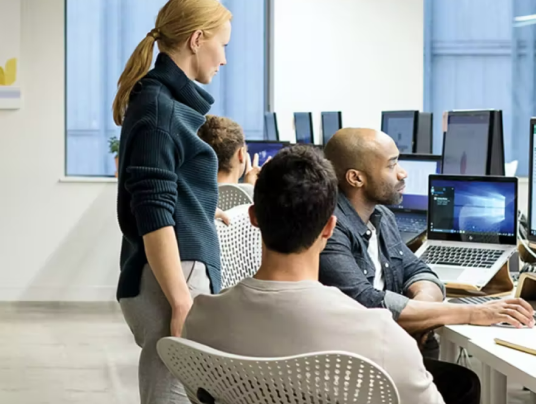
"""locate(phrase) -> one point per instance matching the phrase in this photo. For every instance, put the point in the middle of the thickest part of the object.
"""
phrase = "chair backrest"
(210, 376)
(240, 245)
(231, 195)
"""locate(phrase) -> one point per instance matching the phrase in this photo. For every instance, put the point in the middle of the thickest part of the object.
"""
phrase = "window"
(476, 57)
(101, 35)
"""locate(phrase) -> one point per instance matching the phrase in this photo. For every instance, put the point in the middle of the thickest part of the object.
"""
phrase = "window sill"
(88, 180)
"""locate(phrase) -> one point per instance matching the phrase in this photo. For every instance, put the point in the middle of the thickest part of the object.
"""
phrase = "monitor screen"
(473, 208)
(270, 124)
(264, 150)
(416, 192)
(532, 171)
(465, 147)
(304, 127)
(331, 123)
(400, 125)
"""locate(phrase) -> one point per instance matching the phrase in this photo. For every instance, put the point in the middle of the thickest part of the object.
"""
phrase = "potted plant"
(113, 146)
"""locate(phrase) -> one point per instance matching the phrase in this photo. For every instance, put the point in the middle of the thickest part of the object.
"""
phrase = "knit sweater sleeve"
(152, 161)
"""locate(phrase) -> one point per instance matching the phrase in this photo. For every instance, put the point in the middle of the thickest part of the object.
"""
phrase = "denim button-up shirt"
(346, 264)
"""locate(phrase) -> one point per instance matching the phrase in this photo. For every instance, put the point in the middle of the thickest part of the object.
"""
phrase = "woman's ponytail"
(137, 67)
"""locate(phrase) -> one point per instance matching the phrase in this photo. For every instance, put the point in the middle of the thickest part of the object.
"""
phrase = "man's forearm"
(425, 291)
(422, 316)
(162, 253)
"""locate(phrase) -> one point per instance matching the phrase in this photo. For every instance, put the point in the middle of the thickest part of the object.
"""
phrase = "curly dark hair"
(295, 195)
(225, 136)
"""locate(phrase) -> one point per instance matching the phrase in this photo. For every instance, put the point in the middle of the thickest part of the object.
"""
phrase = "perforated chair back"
(240, 245)
(214, 377)
(230, 195)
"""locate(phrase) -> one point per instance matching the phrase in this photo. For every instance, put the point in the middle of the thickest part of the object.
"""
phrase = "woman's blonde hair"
(176, 22)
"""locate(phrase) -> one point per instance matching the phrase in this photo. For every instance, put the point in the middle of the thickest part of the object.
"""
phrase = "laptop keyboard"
(411, 224)
(478, 300)
(461, 256)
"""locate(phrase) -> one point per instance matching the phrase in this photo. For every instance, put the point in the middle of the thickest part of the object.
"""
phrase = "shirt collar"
(349, 211)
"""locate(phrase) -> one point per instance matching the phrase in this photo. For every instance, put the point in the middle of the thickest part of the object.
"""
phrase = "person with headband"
(167, 182)
(227, 139)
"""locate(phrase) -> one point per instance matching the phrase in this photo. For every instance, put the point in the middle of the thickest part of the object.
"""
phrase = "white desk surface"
(519, 366)
(462, 334)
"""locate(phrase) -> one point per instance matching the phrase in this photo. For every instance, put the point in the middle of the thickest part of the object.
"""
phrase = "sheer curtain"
(101, 35)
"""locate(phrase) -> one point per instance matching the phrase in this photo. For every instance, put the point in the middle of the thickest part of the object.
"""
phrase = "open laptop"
(472, 227)
(264, 149)
(411, 212)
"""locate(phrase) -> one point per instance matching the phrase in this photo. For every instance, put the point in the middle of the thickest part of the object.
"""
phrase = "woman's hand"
(220, 214)
(253, 170)
(178, 315)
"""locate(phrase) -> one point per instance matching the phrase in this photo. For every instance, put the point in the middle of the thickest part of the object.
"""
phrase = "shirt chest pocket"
(397, 255)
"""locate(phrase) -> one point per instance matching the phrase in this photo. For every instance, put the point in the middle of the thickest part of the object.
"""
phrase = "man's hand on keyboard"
(516, 312)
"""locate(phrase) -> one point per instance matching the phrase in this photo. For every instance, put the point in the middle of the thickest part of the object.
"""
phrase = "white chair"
(240, 245)
(231, 195)
(214, 377)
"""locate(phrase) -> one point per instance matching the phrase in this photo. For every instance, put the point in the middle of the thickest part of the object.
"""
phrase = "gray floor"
(84, 354)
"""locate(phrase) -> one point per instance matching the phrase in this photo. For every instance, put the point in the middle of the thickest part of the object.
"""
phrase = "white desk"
(506, 361)
(498, 362)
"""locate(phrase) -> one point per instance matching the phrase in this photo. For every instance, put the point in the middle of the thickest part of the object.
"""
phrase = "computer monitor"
(424, 140)
(264, 149)
(402, 127)
(472, 144)
(532, 183)
(303, 123)
(418, 168)
(271, 131)
(331, 123)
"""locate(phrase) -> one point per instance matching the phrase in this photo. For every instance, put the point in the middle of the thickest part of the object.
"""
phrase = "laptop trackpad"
(447, 273)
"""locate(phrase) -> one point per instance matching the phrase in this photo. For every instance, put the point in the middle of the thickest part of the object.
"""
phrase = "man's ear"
(327, 232)
(355, 178)
(252, 216)
(195, 41)
(241, 155)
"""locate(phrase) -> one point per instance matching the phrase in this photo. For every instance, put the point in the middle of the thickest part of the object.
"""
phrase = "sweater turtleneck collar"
(183, 89)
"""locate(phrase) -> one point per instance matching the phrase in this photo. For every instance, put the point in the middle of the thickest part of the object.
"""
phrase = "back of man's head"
(295, 196)
(351, 148)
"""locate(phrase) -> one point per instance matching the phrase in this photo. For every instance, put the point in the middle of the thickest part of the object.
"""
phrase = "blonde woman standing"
(167, 181)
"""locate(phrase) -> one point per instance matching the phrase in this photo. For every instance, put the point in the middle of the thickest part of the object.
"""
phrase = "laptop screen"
(465, 147)
(418, 170)
(264, 149)
(400, 125)
(473, 209)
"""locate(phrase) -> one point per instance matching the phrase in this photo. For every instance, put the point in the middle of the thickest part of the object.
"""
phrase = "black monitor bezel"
(531, 237)
(435, 236)
(310, 116)
(490, 135)
(322, 115)
(415, 114)
(268, 115)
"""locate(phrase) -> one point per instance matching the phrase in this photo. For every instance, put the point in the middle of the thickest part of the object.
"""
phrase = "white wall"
(58, 241)
(356, 56)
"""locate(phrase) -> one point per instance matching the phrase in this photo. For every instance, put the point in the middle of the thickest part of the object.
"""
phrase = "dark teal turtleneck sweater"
(167, 175)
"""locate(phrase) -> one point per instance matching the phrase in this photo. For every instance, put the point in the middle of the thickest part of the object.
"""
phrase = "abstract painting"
(10, 92)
